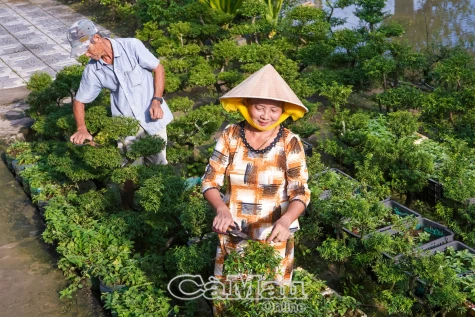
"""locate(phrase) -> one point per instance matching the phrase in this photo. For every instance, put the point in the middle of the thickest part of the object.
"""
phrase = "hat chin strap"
(245, 113)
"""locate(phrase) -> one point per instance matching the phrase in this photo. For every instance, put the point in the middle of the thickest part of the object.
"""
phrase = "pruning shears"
(90, 143)
(236, 232)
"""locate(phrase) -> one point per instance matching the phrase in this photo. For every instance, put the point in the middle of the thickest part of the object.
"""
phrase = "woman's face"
(264, 112)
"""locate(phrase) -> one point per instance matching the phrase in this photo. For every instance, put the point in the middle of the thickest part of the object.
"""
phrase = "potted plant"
(14, 150)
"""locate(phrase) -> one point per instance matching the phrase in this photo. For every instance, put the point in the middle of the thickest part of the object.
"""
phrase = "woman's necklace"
(270, 136)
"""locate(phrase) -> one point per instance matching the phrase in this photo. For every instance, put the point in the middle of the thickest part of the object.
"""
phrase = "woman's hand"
(223, 220)
(281, 231)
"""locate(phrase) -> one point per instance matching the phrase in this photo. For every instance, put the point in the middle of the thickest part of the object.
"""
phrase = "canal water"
(427, 21)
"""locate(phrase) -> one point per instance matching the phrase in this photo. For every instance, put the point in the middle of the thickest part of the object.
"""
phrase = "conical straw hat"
(266, 83)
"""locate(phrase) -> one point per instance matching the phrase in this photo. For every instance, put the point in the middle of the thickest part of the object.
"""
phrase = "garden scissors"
(90, 143)
(237, 233)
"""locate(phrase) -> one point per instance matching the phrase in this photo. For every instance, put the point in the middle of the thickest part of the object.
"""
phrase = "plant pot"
(448, 236)
(9, 159)
(404, 211)
(457, 245)
(34, 190)
(26, 187)
(41, 205)
(17, 168)
(105, 288)
(433, 193)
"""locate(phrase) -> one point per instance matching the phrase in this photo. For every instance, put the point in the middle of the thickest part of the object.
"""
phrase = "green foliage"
(18, 148)
(396, 303)
(151, 193)
(196, 215)
(225, 6)
(183, 104)
(140, 300)
(39, 81)
(314, 164)
(148, 145)
(456, 171)
(193, 259)
(209, 48)
(371, 11)
(258, 258)
(371, 144)
(400, 98)
(380, 67)
(197, 126)
(334, 250)
(337, 94)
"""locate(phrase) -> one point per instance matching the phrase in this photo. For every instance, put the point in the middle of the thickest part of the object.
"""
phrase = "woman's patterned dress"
(260, 186)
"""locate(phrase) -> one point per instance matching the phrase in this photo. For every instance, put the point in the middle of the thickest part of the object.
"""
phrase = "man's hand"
(280, 232)
(80, 136)
(156, 111)
(223, 220)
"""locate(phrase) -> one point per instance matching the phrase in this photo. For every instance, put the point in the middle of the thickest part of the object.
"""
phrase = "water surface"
(426, 21)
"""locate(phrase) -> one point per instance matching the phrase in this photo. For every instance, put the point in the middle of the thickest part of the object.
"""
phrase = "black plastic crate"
(448, 236)
(308, 148)
(435, 185)
(434, 192)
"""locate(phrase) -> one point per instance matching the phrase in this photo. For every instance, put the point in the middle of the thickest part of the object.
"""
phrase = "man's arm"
(79, 115)
(156, 111)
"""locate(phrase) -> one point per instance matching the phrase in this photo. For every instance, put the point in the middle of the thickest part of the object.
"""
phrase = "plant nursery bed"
(327, 192)
(327, 292)
(462, 261)
(439, 235)
(396, 208)
(463, 256)
(456, 245)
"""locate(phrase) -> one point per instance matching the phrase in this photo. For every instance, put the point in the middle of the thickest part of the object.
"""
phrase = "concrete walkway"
(33, 38)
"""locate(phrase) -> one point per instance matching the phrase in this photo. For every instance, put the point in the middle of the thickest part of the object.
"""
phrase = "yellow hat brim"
(237, 104)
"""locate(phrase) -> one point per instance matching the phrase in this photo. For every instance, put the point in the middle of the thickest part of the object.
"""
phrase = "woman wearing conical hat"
(264, 166)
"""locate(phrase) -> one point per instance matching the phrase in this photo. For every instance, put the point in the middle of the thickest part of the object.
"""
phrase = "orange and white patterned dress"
(260, 186)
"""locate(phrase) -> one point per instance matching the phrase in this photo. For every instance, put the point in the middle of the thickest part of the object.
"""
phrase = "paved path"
(13, 121)
(33, 38)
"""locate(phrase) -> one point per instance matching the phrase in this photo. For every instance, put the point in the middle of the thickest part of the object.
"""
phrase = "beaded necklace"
(259, 150)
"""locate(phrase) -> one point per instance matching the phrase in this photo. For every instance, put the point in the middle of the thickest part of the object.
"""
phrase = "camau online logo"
(236, 287)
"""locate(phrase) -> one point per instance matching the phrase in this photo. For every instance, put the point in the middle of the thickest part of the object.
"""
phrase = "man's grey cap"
(79, 36)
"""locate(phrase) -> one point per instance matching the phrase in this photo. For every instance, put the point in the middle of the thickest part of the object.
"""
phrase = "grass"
(102, 15)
